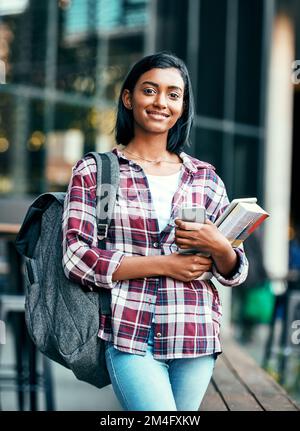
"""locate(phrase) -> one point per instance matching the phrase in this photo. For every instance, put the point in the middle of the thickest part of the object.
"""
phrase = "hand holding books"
(237, 222)
(195, 234)
(193, 215)
(204, 239)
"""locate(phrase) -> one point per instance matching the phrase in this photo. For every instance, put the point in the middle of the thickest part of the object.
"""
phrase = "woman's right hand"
(186, 267)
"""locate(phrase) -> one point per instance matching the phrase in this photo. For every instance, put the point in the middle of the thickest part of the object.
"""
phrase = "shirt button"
(158, 335)
(150, 300)
(155, 244)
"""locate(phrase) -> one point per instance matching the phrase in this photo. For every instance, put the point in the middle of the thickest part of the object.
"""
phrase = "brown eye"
(175, 96)
(149, 91)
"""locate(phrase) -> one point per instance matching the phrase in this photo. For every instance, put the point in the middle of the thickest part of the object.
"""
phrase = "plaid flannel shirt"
(187, 314)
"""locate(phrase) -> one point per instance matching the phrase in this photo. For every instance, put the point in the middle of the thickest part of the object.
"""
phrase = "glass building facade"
(65, 60)
(225, 45)
(64, 67)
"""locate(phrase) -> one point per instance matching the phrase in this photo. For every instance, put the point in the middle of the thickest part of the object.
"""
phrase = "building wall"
(81, 54)
(223, 43)
(64, 69)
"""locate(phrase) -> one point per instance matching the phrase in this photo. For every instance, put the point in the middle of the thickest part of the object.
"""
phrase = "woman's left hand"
(206, 237)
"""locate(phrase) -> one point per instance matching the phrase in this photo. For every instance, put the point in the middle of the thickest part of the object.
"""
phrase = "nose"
(160, 100)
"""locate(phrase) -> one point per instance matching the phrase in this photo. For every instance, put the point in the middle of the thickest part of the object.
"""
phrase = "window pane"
(171, 27)
(246, 159)
(210, 84)
(248, 62)
(208, 147)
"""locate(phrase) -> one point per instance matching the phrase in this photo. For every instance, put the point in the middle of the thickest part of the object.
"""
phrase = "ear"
(126, 98)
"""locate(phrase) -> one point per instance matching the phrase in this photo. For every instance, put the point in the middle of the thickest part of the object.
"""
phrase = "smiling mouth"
(156, 114)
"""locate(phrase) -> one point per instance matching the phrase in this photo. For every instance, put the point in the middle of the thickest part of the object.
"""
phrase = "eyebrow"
(174, 87)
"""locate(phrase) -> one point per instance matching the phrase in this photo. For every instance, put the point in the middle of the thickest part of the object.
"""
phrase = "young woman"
(163, 332)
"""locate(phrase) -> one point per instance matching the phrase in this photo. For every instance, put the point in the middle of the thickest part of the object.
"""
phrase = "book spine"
(257, 223)
(248, 230)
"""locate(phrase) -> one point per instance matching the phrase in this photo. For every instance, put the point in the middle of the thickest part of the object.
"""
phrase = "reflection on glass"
(43, 133)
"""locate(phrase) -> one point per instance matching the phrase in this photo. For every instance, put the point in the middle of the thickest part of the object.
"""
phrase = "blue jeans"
(145, 383)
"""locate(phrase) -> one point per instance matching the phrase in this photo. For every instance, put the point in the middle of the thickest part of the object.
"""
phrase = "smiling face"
(156, 101)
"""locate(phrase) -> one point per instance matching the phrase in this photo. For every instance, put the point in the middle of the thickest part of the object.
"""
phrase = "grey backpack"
(61, 316)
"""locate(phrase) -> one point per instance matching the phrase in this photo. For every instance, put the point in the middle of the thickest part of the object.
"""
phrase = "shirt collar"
(191, 163)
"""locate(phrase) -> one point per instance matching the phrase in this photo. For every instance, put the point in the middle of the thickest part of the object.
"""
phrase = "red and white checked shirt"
(187, 314)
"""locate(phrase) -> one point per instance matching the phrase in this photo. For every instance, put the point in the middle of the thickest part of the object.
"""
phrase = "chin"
(158, 127)
(157, 131)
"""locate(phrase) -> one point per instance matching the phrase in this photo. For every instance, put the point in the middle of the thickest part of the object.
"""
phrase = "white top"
(163, 188)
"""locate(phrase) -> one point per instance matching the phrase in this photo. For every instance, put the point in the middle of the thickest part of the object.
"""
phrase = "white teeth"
(157, 114)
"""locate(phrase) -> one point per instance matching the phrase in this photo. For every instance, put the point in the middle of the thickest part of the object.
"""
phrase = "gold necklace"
(150, 161)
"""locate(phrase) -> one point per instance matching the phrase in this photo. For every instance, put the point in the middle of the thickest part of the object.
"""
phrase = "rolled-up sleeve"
(217, 202)
(240, 273)
(83, 262)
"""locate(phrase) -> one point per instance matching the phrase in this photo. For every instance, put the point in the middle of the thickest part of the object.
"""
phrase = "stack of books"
(241, 218)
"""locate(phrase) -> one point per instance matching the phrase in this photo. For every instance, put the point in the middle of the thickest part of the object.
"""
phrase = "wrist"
(162, 264)
(222, 248)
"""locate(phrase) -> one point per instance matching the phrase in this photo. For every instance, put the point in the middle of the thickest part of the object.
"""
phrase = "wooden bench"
(239, 384)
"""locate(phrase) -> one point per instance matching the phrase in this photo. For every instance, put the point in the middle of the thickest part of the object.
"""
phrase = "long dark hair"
(178, 136)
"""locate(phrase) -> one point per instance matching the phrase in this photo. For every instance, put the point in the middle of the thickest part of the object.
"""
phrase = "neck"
(152, 148)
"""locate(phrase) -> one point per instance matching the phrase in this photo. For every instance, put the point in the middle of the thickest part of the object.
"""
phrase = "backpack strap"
(107, 186)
